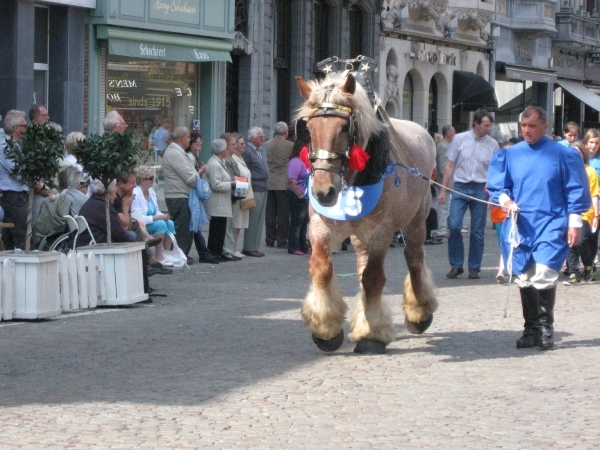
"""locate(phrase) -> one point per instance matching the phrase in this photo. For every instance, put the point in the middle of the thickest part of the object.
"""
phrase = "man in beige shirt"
(180, 176)
(277, 217)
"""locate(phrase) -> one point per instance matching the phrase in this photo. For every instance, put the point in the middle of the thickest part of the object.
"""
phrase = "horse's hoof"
(369, 347)
(330, 345)
(418, 327)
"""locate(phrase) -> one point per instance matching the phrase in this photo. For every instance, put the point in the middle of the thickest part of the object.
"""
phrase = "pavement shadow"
(479, 345)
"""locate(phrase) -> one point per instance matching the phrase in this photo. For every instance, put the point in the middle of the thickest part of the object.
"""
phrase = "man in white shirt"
(469, 157)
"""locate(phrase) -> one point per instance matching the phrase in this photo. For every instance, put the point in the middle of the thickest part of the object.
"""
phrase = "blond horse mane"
(366, 120)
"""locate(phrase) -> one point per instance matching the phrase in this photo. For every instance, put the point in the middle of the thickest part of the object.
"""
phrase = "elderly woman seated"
(94, 211)
(77, 188)
(145, 206)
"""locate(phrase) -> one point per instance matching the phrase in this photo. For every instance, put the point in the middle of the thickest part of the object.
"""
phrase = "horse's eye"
(345, 129)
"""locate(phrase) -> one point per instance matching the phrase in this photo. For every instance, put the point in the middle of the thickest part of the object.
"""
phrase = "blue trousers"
(458, 208)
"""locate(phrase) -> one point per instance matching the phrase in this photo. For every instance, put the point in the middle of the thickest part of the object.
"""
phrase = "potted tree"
(104, 158)
(36, 289)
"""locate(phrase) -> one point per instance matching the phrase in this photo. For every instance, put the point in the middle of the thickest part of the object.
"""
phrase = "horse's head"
(331, 112)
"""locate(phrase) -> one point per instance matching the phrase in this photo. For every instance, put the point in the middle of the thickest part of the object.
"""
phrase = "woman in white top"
(240, 217)
(146, 204)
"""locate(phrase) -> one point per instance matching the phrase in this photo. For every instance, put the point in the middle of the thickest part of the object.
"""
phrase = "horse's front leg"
(372, 327)
(323, 308)
(419, 297)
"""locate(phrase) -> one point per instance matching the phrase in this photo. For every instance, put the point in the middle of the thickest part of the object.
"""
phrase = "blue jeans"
(458, 208)
(299, 223)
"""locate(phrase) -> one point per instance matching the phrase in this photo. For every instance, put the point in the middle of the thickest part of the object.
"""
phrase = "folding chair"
(82, 226)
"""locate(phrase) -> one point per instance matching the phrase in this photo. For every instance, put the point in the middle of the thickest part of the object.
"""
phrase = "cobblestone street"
(224, 361)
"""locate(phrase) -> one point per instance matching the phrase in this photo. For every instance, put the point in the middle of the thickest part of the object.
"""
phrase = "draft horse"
(338, 114)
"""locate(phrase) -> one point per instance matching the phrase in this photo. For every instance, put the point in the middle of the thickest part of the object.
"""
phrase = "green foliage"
(36, 157)
(104, 157)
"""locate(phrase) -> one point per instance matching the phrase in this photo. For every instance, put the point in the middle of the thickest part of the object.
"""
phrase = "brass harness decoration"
(362, 76)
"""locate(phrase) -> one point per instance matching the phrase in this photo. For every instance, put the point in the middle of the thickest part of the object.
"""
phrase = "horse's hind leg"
(419, 296)
(323, 308)
(372, 327)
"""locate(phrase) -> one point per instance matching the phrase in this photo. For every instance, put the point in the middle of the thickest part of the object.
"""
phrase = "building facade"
(42, 57)
(279, 39)
(437, 61)
(155, 60)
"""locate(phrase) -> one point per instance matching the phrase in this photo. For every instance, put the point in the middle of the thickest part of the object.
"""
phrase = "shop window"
(321, 24)
(147, 92)
(355, 18)
(40, 56)
(407, 98)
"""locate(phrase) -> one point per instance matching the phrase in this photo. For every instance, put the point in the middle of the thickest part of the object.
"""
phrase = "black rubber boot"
(530, 304)
(547, 298)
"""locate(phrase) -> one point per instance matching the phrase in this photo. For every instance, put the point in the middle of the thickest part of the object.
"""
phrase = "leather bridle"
(320, 159)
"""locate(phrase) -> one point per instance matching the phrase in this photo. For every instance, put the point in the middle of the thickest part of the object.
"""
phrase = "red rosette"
(358, 158)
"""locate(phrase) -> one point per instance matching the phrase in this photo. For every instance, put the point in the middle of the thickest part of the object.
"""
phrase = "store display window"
(146, 93)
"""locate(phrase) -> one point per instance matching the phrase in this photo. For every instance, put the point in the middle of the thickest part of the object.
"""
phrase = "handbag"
(248, 203)
(175, 255)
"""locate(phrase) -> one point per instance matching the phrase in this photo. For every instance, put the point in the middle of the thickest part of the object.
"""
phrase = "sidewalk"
(224, 361)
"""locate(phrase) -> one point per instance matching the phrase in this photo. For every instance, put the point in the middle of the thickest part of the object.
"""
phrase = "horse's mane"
(366, 119)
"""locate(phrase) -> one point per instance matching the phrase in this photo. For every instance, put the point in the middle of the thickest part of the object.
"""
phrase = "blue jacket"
(198, 215)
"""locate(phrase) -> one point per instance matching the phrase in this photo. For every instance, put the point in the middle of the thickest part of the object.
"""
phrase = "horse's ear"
(350, 85)
(305, 89)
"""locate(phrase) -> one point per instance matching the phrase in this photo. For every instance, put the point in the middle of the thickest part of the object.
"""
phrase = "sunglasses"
(148, 179)
(84, 184)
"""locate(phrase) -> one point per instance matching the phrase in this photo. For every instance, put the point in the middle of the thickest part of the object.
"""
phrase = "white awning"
(582, 93)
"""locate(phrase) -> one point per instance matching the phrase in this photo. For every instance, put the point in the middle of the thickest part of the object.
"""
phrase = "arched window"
(407, 98)
(433, 107)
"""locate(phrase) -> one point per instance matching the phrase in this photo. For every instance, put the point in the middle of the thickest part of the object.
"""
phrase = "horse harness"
(324, 156)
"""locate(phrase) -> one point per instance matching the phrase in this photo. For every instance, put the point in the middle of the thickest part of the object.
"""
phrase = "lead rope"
(513, 212)
(514, 240)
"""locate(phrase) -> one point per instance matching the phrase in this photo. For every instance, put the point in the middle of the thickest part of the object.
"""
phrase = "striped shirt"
(471, 156)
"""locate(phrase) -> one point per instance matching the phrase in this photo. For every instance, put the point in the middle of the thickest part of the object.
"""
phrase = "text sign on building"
(181, 11)
(593, 58)
(143, 50)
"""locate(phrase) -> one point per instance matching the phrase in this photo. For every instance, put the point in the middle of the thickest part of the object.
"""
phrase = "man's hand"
(573, 236)
(510, 205)
(127, 200)
(442, 196)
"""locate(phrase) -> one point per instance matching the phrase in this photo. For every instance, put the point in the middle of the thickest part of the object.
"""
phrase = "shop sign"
(433, 57)
(185, 11)
(164, 52)
(565, 61)
(593, 58)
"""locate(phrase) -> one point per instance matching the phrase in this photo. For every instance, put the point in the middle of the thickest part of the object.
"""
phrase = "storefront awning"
(515, 72)
(511, 110)
(582, 93)
(166, 47)
(472, 91)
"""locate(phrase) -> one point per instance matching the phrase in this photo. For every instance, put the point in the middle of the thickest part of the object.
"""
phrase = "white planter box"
(35, 288)
(121, 273)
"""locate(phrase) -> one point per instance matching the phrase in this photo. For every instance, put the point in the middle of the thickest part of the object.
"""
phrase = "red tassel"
(358, 158)
(304, 157)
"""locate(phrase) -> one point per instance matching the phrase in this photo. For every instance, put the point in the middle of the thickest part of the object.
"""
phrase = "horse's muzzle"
(327, 197)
